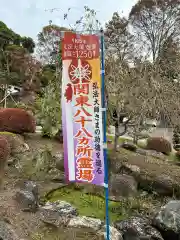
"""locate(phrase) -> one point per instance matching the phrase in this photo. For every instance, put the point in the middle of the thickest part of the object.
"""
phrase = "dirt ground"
(35, 142)
(28, 225)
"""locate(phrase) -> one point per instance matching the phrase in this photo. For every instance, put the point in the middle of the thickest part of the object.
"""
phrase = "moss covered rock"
(16, 142)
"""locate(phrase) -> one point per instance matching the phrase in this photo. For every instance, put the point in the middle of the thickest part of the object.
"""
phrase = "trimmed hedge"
(159, 144)
(4, 154)
(16, 120)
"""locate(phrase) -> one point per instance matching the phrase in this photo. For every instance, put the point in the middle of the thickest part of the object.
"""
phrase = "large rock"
(85, 222)
(59, 161)
(151, 153)
(28, 195)
(7, 232)
(31, 186)
(129, 146)
(114, 233)
(115, 162)
(16, 142)
(162, 184)
(57, 213)
(167, 220)
(55, 175)
(130, 169)
(26, 200)
(122, 185)
(159, 144)
(137, 228)
(151, 174)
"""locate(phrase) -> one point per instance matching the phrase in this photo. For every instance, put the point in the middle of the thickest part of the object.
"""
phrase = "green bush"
(159, 144)
(48, 110)
(27, 107)
(176, 136)
(178, 155)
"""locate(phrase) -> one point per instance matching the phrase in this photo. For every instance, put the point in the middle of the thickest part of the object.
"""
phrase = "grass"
(7, 133)
(141, 143)
(173, 157)
(120, 140)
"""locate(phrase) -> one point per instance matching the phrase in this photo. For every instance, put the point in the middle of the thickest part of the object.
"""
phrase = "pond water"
(87, 204)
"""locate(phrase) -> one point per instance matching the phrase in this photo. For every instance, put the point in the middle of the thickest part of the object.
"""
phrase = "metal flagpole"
(104, 133)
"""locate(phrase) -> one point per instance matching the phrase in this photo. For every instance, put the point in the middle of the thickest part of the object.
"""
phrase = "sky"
(27, 17)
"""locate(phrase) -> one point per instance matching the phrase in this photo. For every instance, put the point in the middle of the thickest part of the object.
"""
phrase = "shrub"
(4, 154)
(178, 155)
(48, 109)
(159, 144)
(176, 137)
(16, 120)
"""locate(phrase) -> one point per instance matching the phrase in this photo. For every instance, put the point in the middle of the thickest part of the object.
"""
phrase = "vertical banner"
(81, 109)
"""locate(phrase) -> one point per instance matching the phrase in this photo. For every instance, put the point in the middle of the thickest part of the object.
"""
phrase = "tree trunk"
(6, 85)
(5, 96)
(135, 137)
(118, 134)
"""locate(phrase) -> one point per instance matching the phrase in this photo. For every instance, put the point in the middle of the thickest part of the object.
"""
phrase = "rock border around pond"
(61, 213)
(163, 225)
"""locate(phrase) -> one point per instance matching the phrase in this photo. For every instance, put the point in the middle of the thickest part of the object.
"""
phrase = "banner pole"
(104, 137)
